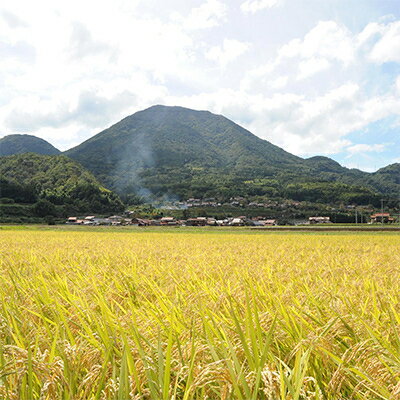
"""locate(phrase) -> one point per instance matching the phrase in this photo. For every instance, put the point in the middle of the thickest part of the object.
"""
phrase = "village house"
(260, 221)
(170, 221)
(102, 221)
(381, 218)
(89, 220)
(199, 221)
(140, 221)
(116, 220)
(145, 222)
(255, 222)
(75, 221)
(319, 220)
(238, 221)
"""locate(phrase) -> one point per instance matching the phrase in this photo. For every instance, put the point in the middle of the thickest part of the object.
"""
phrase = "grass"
(165, 315)
(320, 229)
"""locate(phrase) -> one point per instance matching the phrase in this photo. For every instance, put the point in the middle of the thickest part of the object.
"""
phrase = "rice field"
(167, 315)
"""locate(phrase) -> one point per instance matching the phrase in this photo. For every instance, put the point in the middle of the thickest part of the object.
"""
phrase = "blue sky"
(314, 77)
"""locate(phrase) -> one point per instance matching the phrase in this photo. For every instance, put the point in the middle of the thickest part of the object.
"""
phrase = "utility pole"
(382, 200)
(356, 216)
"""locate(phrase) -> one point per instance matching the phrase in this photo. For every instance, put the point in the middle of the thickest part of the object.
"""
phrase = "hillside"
(388, 175)
(175, 153)
(18, 144)
(29, 177)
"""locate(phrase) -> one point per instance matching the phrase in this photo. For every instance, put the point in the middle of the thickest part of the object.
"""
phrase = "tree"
(44, 208)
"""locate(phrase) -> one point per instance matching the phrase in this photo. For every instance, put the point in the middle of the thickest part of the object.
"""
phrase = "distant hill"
(29, 177)
(325, 164)
(389, 174)
(18, 144)
(385, 180)
(175, 152)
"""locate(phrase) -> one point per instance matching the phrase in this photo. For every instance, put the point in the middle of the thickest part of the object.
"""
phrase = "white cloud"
(369, 34)
(327, 40)
(208, 15)
(229, 51)
(91, 109)
(398, 84)
(362, 148)
(12, 20)
(323, 46)
(326, 46)
(21, 51)
(252, 6)
(279, 82)
(312, 66)
(387, 47)
(257, 77)
(83, 44)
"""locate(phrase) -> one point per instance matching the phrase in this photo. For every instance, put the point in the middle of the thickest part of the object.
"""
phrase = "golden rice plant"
(189, 315)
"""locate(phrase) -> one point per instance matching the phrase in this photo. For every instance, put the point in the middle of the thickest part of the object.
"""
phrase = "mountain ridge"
(163, 149)
(176, 152)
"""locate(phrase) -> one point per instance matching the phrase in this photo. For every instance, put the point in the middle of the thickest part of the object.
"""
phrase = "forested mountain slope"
(29, 177)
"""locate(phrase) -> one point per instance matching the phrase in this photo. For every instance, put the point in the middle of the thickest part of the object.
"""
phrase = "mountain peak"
(163, 107)
(160, 111)
(24, 143)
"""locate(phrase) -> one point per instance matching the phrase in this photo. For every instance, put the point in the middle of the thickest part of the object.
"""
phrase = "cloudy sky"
(312, 76)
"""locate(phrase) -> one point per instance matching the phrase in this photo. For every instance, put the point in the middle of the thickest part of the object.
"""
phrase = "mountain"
(29, 177)
(18, 144)
(176, 152)
(163, 137)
